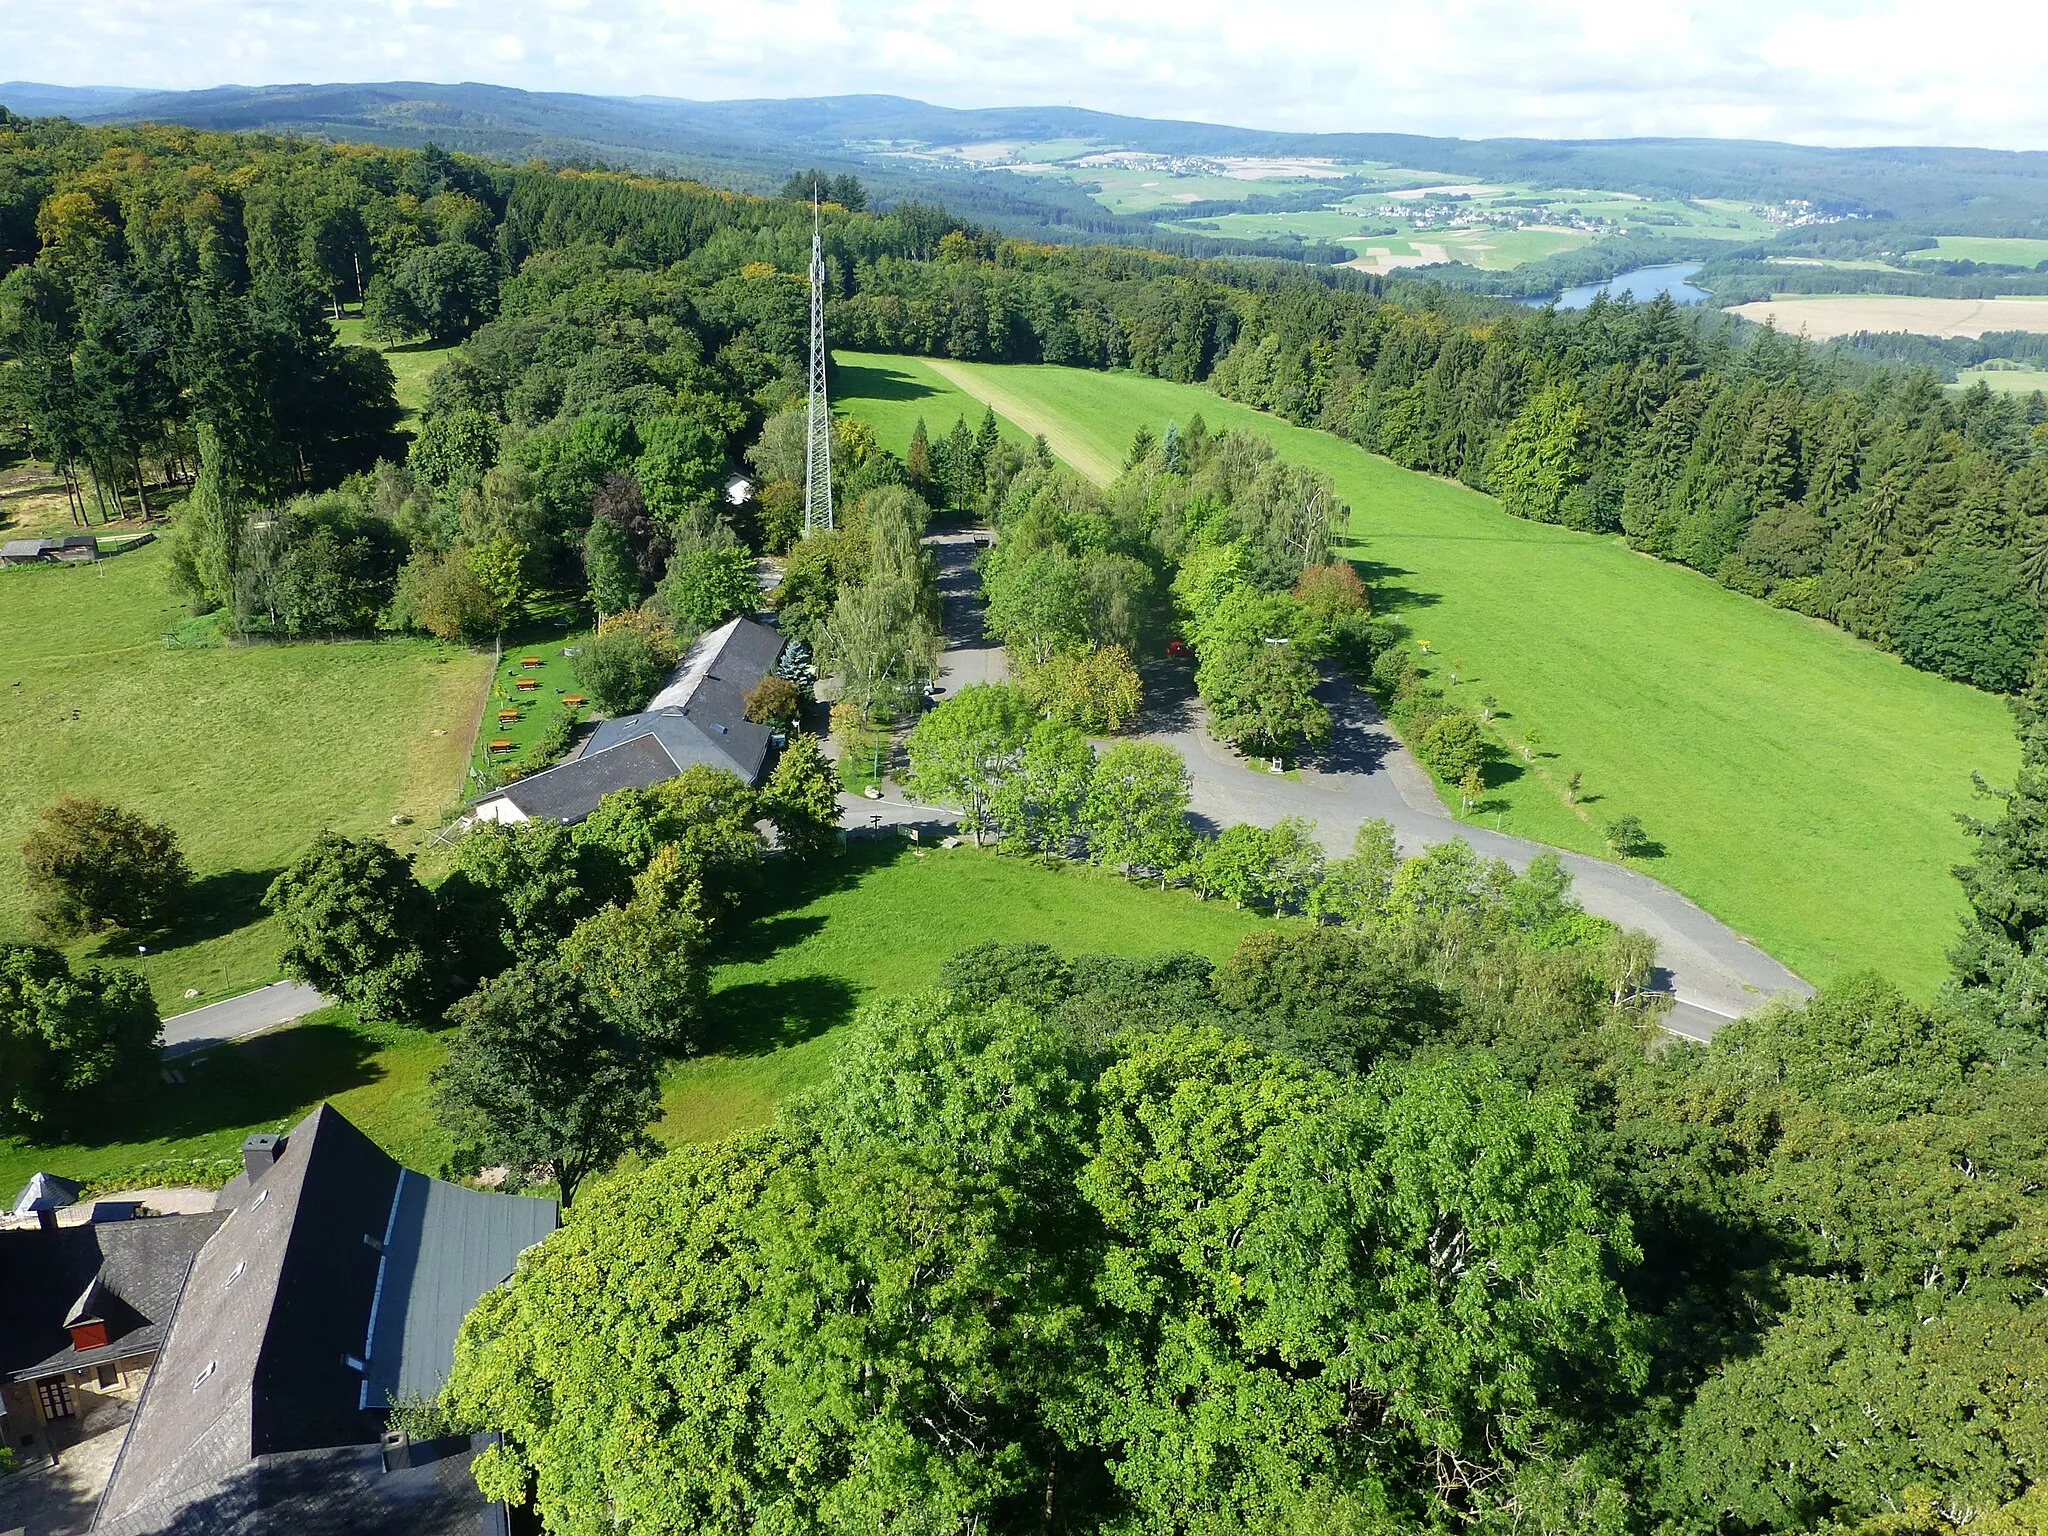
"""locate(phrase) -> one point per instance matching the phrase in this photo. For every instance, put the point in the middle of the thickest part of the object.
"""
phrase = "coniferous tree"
(1999, 961)
(211, 524)
(917, 462)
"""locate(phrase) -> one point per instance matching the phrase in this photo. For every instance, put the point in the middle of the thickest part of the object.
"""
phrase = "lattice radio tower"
(818, 423)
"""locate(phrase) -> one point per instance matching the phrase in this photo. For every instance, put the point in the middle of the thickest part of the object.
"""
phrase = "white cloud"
(1820, 71)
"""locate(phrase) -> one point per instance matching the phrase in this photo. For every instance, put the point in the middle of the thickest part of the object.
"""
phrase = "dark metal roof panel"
(449, 1245)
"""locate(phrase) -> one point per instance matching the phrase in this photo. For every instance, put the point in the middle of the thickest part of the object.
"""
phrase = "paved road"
(1714, 974)
(970, 655)
(266, 1007)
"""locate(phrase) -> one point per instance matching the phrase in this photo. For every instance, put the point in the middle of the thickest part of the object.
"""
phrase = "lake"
(1642, 285)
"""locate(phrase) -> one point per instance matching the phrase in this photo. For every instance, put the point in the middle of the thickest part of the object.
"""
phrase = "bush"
(442, 595)
(1394, 672)
(620, 669)
(774, 701)
(1451, 745)
(1625, 835)
(90, 865)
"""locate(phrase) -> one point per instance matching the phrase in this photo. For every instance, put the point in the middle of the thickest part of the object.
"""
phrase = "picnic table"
(502, 744)
(507, 715)
(527, 684)
(529, 661)
(574, 699)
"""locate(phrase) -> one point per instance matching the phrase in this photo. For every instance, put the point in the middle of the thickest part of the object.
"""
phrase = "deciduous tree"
(73, 1045)
(359, 926)
(90, 865)
(536, 1077)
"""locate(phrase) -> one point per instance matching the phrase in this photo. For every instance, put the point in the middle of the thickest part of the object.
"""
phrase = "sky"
(1849, 72)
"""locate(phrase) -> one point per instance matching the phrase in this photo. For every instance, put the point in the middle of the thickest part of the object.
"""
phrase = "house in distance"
(699, 716)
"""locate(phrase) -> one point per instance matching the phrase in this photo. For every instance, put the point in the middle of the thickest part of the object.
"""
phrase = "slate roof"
(126, 1273)
(700, 714)
(571, 792)
(740, 747)
(335, 1492)
(274, 1350)
(46, 1192)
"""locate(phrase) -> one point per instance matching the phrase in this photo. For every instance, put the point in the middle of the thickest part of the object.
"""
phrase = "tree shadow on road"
(1170, 705)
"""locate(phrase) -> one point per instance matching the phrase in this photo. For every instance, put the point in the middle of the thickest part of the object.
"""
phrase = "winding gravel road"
(1712, 972)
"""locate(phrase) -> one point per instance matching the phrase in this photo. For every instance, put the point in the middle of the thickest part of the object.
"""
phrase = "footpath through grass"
(877, 922)
(1802, 784)
(247, 751)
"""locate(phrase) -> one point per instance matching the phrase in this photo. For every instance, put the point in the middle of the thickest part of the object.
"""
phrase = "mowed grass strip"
(247, 751)
(895, 393)
(1803, 784)
(876, 922)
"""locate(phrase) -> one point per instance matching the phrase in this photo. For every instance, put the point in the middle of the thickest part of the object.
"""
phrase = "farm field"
(1821, 317)
(1803, 784)
(875, 923)
(246, 751)
(2011, 381)
(2004, 252)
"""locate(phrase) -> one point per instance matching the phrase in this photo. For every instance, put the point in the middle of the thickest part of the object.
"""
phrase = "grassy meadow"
(2005, 381)
(1986, 248)
(1802, 784)
(247, 751)
(897, 392)
(874, 923)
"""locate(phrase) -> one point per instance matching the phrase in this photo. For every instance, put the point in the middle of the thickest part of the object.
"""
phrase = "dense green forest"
(1403, 1219)
(1860, 495)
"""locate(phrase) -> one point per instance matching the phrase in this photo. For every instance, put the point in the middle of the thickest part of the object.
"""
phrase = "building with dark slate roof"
(85, 1311)
(335, 1283)
(699, 716)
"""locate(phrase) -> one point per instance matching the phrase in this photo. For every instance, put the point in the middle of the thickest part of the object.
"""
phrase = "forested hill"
(1864, 496)
(756, 143)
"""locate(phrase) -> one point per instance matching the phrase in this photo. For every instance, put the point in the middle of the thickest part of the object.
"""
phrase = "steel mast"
(818, 422)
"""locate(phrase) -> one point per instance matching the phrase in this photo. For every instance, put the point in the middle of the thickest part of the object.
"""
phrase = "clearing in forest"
(1803, 784)
(877, 922)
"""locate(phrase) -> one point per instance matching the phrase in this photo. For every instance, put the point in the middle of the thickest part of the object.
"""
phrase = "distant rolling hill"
(755, 144)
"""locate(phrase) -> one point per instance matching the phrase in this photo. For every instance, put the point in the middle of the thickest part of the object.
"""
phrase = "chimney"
(260, 1152)
(46, 1218)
